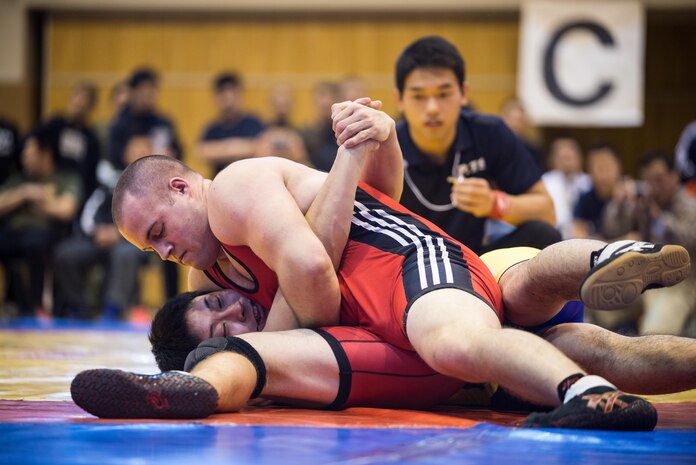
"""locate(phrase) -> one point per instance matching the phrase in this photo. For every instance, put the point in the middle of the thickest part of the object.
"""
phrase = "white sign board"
(581, 62)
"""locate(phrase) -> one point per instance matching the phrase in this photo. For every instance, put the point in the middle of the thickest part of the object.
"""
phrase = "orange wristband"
(501, 205)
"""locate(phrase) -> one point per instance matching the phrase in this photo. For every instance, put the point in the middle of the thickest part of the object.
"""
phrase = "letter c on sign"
(550, 54)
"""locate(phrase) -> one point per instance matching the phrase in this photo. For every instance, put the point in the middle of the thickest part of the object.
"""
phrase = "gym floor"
(39, 423)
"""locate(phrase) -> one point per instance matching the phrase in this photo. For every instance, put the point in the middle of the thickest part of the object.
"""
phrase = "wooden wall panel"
(298, 51)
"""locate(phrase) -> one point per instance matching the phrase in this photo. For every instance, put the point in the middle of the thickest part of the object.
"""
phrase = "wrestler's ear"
(179, 185)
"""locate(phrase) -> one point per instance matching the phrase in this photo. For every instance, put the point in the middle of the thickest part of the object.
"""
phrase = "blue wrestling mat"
(39, 423)
(177, 443)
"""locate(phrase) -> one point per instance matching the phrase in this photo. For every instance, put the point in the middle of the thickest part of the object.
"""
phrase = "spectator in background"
(281, 103)
(280, 138)
(9, 149)
(141, 116)
(566, 180)
(118, 99)
(605, 170)
(462, 167)
(513, 113)
(98, 244)
(685, 157)
(319, 138)
(232, 136)
(662, 212)
(78, 146)
(351, 88)
(36, 208)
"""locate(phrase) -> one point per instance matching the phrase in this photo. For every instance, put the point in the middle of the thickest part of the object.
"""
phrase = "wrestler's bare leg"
(459, 335)
(534, 290)
(642, 365)
(301, 370)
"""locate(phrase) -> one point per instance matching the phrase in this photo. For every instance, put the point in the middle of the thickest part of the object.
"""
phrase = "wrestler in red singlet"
(392, 257)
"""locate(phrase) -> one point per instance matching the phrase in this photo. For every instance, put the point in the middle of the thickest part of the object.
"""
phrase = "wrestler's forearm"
(384, 170)
(331, 211)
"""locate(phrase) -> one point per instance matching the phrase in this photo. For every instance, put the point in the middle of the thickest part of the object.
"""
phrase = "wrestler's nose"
(235, 311)
(164, 250)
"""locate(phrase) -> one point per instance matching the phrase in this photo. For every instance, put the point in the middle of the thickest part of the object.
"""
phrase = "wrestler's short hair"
(146, 177)
(170, 336)
(429, 52)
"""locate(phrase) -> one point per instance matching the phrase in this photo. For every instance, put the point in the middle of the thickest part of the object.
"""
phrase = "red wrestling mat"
(671, 415)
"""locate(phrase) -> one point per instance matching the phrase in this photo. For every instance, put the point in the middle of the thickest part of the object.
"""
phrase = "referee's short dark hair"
(429, 52)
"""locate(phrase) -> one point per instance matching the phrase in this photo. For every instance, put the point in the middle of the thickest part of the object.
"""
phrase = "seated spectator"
(281, 103)
(118, 99)
(37, 207)
(78, 147)
(565, 181)
(232, 135)
(278, 141)
(513, 113)
(605, 170)
(141, 116)
(663, 212)
(351, 88)
(9, 149)
(98, 244)
(319, 137)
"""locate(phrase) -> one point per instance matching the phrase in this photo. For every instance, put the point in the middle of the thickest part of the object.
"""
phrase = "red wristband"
(501, 205)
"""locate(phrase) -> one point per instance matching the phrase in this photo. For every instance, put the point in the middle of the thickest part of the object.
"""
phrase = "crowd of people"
(490, 182)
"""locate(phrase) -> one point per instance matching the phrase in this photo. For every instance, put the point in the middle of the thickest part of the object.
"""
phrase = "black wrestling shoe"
(624, 269)
(601, 408)
(109, 393)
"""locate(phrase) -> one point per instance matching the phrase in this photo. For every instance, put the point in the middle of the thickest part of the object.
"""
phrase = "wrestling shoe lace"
(621, 271)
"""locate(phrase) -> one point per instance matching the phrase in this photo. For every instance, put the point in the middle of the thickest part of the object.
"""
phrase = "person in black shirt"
(232, 136)
(9, 149)
(463, 168)
(78, 147)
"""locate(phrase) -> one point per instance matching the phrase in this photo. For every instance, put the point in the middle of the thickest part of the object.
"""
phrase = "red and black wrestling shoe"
(622, 270)
(108, 393)
(600, 408)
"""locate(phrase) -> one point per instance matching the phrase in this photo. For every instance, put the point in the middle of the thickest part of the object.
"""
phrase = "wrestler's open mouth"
(258, 316)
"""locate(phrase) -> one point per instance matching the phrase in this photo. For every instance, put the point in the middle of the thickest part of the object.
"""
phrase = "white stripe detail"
(398, 229)
(449, 274)
(366, 213)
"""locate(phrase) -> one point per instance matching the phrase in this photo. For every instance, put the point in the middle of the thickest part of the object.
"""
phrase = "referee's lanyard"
(419, 195)
(455, 174)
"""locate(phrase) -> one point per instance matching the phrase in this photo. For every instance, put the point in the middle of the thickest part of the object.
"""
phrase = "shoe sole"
(639, 416)
(618, 283)
(109, 393)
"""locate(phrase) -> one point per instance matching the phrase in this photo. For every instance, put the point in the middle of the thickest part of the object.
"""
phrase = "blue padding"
(58, 324)
(190, 443)
(572, 312)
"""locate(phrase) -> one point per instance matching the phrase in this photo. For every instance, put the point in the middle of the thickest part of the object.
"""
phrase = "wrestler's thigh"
(447, 324)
